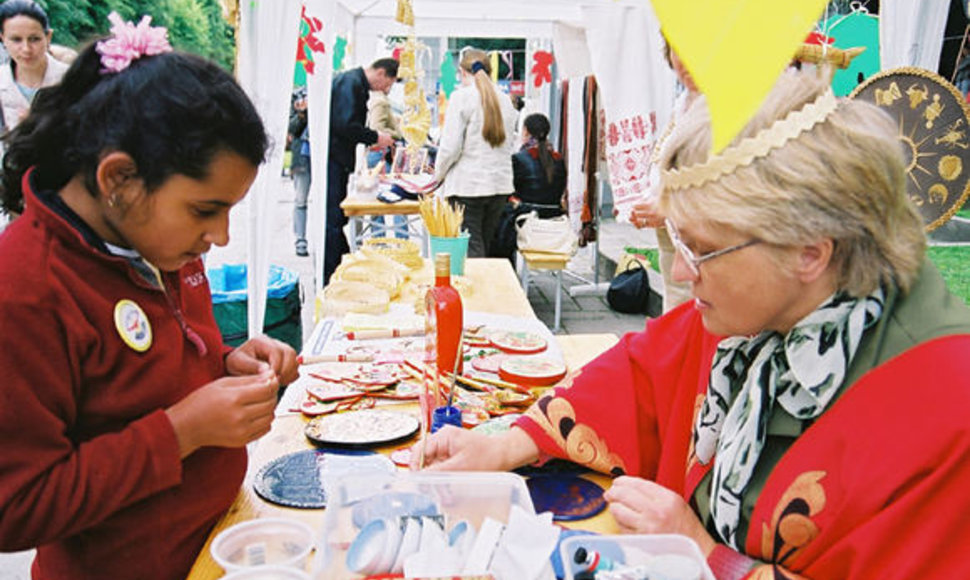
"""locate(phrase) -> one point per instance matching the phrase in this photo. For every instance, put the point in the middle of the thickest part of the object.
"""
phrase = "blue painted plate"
(568, 497)
(294, 480)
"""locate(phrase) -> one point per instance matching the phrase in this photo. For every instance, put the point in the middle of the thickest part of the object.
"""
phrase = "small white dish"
(409, 543)
(374, 549)
(462, 537)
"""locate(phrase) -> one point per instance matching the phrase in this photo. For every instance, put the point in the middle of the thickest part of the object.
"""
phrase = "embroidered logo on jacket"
(133, 326)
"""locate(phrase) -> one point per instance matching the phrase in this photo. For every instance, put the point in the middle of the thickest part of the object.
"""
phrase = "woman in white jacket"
(26, 35)
(475, 151)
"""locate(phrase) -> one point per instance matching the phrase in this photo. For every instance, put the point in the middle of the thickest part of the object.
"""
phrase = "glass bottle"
(443, 322)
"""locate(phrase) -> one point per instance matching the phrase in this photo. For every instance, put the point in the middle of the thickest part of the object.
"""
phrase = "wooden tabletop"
(357, 206)
(497, 291)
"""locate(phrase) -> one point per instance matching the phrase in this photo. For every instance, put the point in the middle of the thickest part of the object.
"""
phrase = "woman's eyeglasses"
(694, 262)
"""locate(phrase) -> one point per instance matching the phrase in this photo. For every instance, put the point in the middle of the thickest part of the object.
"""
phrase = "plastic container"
(457, 496)
(632, 550)
(263, 542)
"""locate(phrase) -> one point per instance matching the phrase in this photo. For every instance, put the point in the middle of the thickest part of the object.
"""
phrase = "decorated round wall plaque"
(934, 128)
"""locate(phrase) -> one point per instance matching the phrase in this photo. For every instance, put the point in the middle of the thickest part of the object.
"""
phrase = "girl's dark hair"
(172, 113)
(27, 8)
(538, 126)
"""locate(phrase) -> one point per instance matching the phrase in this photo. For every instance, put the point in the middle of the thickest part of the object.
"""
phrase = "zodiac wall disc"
(934, 128)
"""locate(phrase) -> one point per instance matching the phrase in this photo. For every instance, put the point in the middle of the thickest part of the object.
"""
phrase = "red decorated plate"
(489, 362)
(516, 341)
(532, 371)
(373, 377)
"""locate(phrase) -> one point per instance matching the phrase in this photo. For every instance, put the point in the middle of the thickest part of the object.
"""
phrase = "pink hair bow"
(130, 42)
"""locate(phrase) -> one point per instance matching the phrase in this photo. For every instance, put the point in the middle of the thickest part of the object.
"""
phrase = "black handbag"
(629, 290)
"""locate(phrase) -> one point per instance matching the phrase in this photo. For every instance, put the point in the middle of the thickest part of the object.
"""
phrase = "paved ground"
(586, 312)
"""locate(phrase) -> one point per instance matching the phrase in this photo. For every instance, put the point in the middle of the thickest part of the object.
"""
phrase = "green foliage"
(650, 254)
(954, 264)
(196, 26)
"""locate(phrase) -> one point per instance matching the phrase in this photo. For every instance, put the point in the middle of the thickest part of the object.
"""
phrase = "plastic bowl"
(267, 573)
(263, 542)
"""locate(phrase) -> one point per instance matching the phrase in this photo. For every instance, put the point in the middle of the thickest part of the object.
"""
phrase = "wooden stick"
(503, 385)
(384, 333)
(475, 384)
(320, 358)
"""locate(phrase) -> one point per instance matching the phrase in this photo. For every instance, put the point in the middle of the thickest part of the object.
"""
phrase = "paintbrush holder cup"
(447, 415)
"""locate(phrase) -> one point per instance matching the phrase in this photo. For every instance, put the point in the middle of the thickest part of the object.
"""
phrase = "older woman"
(806, 414)
(475, 151)
(26, 35)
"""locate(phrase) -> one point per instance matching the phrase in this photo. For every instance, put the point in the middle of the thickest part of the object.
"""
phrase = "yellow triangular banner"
(735, 50)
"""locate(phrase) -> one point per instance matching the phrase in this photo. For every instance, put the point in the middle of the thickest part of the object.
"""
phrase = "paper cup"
(457, 248)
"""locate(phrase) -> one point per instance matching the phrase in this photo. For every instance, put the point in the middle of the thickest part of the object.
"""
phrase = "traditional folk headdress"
(733, 157)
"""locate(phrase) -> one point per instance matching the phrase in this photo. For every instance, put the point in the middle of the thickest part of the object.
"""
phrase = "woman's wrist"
(518, 449)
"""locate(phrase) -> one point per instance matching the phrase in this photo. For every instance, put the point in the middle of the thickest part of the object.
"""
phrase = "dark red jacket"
(90, 470)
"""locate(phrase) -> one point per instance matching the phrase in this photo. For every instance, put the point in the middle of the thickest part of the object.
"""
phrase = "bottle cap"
(442, 264)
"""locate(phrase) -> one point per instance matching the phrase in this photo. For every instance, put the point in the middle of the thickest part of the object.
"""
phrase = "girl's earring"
(113, 200)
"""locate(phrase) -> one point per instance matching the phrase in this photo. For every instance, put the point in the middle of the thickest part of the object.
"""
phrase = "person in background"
(474, 157)
(762, 419)
(381, 118)
(298, 136)
(125, 419)
(350, 91)
(645, 213)
(26, 36)
(539, 177)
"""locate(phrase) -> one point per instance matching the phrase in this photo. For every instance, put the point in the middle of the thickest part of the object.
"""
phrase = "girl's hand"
(644, 507)
(228, 412)
(261, 353)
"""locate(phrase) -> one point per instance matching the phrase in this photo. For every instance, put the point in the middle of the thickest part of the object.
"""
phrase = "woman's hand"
(645, 214)
(261, 353)
(228, 412)
(454, 449)
(644, 507)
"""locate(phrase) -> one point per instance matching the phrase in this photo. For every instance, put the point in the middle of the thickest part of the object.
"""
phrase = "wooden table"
(496, 290)
(364, 214)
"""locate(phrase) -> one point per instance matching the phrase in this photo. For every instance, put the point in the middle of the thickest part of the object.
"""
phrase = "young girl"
(475, 151)
(123, 418)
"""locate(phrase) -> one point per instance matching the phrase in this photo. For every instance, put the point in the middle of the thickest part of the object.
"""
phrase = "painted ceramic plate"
(568, 497)
(294, 480)
(531, 371)
(365, 428)
(489, 362)
(497, 424)
(517, 341)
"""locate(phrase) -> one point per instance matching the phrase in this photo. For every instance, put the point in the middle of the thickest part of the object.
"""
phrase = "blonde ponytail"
(493, 126)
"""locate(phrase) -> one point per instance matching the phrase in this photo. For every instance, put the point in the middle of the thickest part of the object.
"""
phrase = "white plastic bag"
(553, 235)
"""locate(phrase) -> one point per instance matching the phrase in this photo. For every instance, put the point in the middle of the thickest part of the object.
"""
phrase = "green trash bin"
(230, 303)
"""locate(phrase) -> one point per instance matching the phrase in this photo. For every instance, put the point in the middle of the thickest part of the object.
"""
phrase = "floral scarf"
(801, 371)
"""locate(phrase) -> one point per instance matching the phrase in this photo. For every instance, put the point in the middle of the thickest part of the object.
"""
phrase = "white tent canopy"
(616, 40)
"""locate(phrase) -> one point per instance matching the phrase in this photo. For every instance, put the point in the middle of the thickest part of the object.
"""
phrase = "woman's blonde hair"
(493, 128)
(843, 179)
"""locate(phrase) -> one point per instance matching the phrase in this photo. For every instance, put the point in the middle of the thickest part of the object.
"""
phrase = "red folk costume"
(90, 471)
(873, 488)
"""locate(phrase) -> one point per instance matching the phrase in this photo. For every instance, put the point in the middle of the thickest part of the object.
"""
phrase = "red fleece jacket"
(90, 471)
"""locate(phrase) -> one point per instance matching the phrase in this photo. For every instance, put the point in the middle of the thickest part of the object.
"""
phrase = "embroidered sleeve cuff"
(728, 564)
(548, 449)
